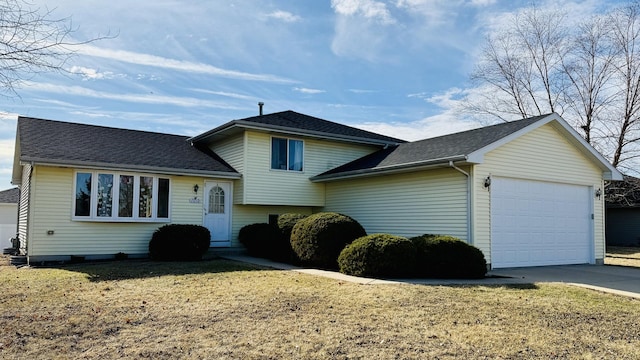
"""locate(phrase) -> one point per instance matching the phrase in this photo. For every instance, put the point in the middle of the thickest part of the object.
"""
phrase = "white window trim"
(115, 196)
(304, 150)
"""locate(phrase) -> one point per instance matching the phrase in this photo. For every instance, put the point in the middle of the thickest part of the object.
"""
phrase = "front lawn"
(225, 310)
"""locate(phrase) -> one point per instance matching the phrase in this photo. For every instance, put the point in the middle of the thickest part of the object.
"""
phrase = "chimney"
(260, 105)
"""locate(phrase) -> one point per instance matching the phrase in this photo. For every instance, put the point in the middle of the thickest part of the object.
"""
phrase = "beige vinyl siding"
(52, 197)
(409, 204)
(544, 154)
(23, 208)
(264, 186)
(232, 151)
(251, 214)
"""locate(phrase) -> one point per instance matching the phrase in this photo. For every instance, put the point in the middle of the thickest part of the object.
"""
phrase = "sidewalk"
(372, 281)
(611, 279)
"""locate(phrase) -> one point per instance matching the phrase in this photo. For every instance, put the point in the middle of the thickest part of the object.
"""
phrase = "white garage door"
(537, 223)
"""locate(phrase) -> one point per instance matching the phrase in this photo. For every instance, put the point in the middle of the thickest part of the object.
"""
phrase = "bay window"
(108, 196)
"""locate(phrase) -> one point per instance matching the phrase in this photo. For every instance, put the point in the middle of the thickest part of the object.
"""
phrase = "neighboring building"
(623, 212)
(523, 192)
(8, 216)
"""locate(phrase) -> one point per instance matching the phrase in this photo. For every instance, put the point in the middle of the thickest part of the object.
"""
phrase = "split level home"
(527, 192)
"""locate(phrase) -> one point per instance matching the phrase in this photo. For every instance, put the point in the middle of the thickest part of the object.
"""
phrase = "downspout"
(469, 221)
(29, 197)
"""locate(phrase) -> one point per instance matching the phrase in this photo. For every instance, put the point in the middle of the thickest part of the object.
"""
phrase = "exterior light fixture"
(195, 188)
(487, 182)
(598, 193)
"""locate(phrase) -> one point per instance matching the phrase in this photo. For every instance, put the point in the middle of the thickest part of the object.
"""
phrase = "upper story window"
(107, 196)
(287, 154)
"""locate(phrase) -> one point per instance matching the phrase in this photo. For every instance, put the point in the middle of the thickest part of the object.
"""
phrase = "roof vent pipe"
(260, 105)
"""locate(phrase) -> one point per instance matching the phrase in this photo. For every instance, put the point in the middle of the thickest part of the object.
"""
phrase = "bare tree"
(624, 130)
(623, 193)
(587, 72)
(588, 67)
(31, 41)
(524, 64)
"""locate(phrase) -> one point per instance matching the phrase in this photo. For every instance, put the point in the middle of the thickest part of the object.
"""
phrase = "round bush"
(259, 239)
(319, 238)
(179, 242)
(442, 256)
(378, 255)
(284, 252)
(286, 222)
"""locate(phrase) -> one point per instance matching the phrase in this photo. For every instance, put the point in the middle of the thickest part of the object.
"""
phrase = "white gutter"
(135, 168)
(469, 220)
(389, 169)
(28, 221)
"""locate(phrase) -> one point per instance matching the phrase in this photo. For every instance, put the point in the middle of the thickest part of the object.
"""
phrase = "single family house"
(526, 193)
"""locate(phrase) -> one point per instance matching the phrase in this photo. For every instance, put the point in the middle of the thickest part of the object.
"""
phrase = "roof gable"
(63, 143)
(291, 122)
(463, 147)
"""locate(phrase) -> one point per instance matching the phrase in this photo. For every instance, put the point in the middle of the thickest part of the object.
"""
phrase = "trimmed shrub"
(284, 252)
(286, 222)
(319, 238)
(179, 242)
(259, 239)
(378, 255)
(443, 256)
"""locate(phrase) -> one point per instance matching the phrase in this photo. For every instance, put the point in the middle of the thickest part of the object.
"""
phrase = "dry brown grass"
(224, 310)
(623, 256)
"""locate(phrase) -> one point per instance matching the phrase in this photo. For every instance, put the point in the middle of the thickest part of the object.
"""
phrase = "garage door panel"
(539, 223)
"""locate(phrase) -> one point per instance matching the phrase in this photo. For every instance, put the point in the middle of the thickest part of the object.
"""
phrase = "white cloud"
(91, 114)
(369, 9)
(134, 98)
(148, 77)
(7, 147)
(284, 16)
(180, 65)
(482, 2)
(308, 91)
(450, 120)
(421, 129)
(362, 29)
(225, 94)
(90, 74)
(433, 12)
(4, 115)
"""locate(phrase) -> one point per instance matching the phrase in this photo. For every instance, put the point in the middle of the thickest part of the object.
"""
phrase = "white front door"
(217, 212)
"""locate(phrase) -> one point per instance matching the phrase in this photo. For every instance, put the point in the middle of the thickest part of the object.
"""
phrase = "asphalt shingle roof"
(291, 120)
(10, 196)
(79, 144)
(434, 149)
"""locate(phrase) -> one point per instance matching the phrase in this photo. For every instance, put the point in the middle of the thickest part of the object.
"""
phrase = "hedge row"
(431, 256)
(332, 240)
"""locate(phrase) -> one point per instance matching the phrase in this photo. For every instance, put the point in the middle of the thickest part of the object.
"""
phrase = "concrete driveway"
(615, 279)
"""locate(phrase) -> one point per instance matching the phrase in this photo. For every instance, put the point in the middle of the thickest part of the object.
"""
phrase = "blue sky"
(396, 67)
